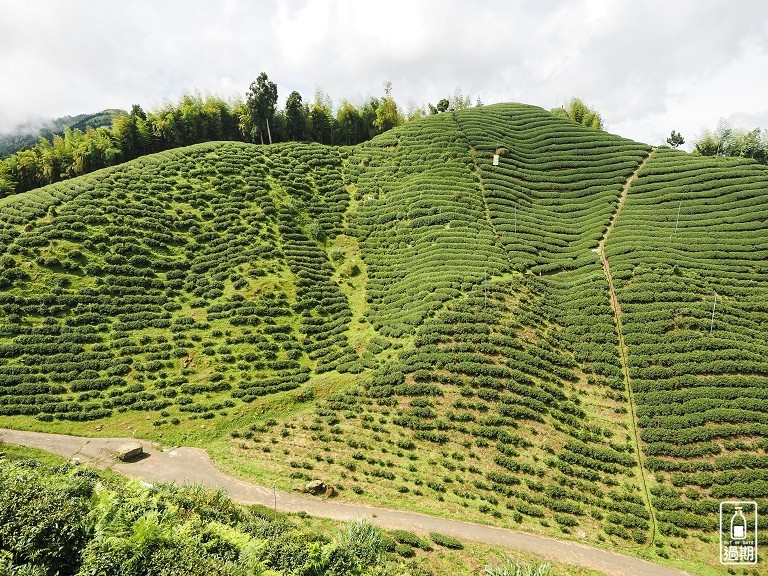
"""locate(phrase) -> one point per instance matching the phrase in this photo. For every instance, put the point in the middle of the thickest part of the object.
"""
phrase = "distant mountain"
(29, 134)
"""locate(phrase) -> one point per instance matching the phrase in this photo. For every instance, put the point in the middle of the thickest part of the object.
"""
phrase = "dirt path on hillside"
(623, 353)
(193, 465)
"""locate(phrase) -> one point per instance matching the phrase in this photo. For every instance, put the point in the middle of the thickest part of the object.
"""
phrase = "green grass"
(16, 452)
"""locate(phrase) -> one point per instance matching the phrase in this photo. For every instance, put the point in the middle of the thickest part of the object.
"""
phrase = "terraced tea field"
(177, 279)
(414, 323)
(699, 378)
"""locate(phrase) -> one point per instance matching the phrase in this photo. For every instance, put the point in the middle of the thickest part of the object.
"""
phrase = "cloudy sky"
(648, 67)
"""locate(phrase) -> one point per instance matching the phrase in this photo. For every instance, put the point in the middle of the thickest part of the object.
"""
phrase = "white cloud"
(648, 66)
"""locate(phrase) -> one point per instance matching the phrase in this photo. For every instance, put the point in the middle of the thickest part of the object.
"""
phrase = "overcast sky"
(647, 66)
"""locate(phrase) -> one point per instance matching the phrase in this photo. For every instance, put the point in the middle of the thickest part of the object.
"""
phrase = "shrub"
(409, 538)
(446, 541)
(565, 520)
(510, 567)
(404, 550)
(41, 524)
(365, 540)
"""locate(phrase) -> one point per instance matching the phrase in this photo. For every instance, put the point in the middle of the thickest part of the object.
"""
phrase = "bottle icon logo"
(738, 532)
(738, 525)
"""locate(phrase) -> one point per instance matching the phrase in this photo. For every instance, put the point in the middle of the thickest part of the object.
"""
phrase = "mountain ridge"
(30, 134)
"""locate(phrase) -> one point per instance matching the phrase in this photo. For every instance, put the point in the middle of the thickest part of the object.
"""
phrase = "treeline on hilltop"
(734, 143)
(194, 119)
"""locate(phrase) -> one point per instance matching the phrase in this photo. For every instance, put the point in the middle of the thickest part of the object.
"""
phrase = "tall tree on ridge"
(132, 133)
(675, 139)
(261, 102)
(321, 118)
(387, 114)
(350, 124)
(442, 106)
(295, 117)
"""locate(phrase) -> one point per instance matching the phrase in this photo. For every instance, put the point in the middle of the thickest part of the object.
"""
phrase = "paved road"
(193, 465)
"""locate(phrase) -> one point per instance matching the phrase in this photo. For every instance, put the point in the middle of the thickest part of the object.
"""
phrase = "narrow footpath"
(193, 466)
(623, 353)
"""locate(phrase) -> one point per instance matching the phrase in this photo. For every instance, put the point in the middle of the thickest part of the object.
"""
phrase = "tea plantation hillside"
(179, 276)
(493, 314)
(693, 231)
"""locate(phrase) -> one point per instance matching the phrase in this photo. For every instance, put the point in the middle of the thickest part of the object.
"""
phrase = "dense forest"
(90, 142)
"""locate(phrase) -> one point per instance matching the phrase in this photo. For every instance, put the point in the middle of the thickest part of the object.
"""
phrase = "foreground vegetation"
(61, 519)
(421, 320)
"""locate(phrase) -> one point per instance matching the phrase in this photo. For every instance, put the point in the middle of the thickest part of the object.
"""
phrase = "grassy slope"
(403, 319)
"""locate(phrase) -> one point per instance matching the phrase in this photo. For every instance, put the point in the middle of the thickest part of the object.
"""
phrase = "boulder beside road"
(129, 451)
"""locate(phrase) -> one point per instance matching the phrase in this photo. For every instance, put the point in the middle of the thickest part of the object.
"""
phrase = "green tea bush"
(446, 541)
(410, 539)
